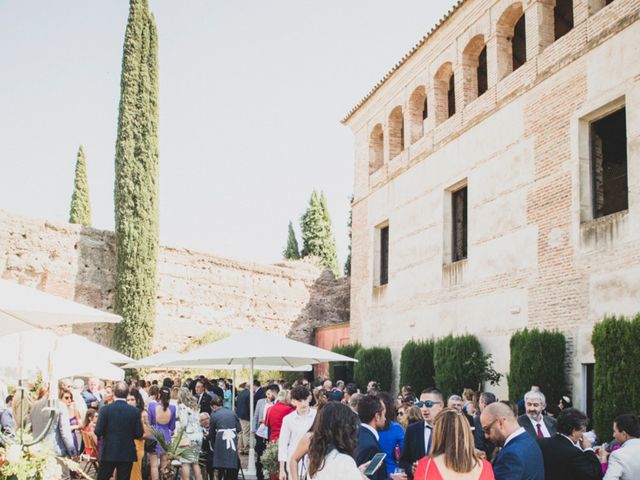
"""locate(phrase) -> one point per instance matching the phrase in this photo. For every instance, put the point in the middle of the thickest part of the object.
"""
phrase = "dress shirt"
(543, 427)
(513, 435)
(294, 426)
(428, 429)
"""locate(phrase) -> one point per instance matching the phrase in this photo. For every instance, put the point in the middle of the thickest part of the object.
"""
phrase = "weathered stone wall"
(197, 292)
(535, 258)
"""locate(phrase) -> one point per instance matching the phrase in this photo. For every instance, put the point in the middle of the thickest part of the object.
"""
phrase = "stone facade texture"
(536, 258)
(197, 292)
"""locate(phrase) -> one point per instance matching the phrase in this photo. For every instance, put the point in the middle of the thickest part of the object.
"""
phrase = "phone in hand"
(375, 463)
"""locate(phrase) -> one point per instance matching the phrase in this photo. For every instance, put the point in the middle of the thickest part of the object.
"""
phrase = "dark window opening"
(451, 97)
(590, 390)
(482, 71)
(459, 214)
(562, 17)
(519, 44)
(425, 109)
(384, 255)
(402, 133)
(609, 164)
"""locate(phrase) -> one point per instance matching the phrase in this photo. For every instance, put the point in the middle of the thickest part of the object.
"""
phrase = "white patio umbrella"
(24, 308)
(255, 348)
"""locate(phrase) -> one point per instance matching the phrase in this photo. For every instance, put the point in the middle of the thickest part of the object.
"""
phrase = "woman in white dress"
(334, 440)
(189, 418)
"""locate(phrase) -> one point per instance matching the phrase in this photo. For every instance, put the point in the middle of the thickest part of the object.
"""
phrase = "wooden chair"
(90, 458)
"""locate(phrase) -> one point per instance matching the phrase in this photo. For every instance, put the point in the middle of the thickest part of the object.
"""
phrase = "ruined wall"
(197, 292)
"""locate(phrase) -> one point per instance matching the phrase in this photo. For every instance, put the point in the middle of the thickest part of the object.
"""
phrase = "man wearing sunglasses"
(417, 438)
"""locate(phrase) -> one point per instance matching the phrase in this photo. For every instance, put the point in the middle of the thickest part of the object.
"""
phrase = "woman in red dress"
(452, 451)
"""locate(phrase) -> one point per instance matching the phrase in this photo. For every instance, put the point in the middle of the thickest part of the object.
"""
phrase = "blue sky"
(251, 97)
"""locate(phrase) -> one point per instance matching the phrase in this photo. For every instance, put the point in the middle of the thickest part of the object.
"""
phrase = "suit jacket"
(259, 394)
(118, 425)
(204, 403)
(549, 422)
(481, 442)
(564, 461)
(624, 463)
(520, 459)
(59, 436)
(414, 448)
(242, 405)
(366, 448)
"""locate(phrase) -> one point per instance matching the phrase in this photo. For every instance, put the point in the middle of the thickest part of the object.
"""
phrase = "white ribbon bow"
(229, 434)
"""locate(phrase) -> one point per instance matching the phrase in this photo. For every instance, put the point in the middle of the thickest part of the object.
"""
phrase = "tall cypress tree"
(317, 239)
(136, 184)
(347, 263)
(291, 251)
(80, 211)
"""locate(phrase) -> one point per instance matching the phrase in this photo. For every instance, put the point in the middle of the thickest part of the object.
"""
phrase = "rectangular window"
(384, 255)
(459, 224)
(608, 143)
(588, 376)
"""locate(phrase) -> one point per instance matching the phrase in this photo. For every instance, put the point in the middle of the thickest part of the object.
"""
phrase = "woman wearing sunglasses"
(75, 420)
(452, 451)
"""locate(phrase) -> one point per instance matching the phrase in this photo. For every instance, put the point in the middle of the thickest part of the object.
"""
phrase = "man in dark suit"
(568, 455)
(534, 422)
(417, 438)
(258, 393)
(203, 398)
(520, 457)
(118, 425)
(481, 442)
(371, 411)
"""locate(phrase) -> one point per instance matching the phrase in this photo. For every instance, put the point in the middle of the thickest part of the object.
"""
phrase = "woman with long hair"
(88, 427)
(334, 440)
(75, 420)
(189, 417)
(453, 453)
(135, 400)
(162, 417)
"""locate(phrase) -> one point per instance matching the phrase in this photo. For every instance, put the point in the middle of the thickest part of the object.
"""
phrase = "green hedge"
(459, 363)
(349, 351)
(416, 365)
(373, 364)
(617, 371)
(537, 358)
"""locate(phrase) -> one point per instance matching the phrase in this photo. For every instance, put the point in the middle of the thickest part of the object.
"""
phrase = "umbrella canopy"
(24, 308)
(263, 348)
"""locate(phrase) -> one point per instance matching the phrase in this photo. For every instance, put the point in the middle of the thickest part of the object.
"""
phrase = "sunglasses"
(427, 404)
(66, 397)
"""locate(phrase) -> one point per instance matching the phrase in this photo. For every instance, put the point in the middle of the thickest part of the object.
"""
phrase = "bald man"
(520, 457)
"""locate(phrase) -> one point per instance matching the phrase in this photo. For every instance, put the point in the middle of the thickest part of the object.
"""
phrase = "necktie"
(540, 434)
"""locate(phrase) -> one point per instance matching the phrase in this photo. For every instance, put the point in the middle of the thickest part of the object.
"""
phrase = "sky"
(251, 97)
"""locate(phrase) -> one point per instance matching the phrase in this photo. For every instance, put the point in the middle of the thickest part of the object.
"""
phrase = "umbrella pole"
(233, 391)
(251, 467)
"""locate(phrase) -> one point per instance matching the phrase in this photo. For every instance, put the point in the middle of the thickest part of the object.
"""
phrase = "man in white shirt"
(294, 426)
(534, 422)
(624, 463)
(262, 432)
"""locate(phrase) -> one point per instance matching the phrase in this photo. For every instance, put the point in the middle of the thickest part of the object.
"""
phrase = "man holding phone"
(371, 411)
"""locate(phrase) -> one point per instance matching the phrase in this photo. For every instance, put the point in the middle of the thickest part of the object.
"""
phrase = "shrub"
(416, 365)
(343, 370)
(373, 364)
(537, 358)
(617, 371)
(459, 363)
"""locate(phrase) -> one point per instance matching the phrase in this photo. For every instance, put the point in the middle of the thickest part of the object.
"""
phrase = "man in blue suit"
(417, 439)
(520, 457)
(371, 411)
(118, 425)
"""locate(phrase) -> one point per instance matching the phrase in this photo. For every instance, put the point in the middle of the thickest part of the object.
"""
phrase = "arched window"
(417, 113)
(511, 39)
(396, 132)
(562, 18)
(474, 62)
(444, 92)
(425, 109)
(376, 149)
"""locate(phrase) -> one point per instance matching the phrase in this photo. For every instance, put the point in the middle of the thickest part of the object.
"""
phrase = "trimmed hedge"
(349, 351)
(460, 363)
(416, 365)
(537, 358)
(615, 343)
(373, 364)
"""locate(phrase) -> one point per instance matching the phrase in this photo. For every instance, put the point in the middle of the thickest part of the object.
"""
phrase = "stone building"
(497, 180)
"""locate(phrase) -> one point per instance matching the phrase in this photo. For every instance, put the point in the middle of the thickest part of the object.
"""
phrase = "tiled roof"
(403, 60)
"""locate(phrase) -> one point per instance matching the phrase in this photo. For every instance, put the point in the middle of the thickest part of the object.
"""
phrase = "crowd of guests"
(327, 432)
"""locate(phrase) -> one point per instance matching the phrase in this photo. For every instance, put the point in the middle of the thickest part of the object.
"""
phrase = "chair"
(91, 457)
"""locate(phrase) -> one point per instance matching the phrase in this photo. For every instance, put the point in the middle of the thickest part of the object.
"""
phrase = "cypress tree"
(330, 256)
(316, 233)
(136, 184)
(347, 263)
(80, 211)
(291, 251)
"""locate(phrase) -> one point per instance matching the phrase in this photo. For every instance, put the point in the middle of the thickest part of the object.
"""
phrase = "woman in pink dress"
(453, 454)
